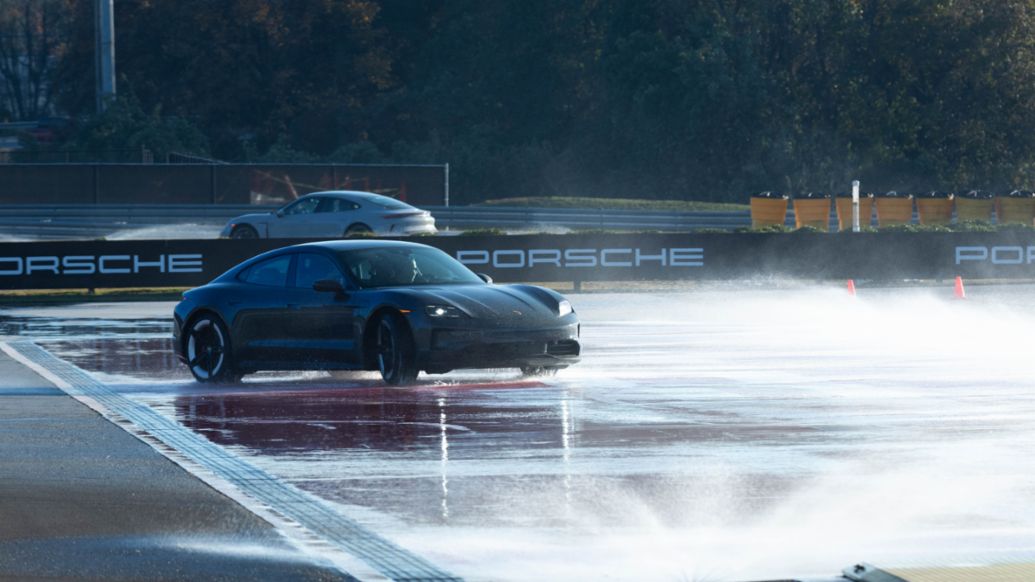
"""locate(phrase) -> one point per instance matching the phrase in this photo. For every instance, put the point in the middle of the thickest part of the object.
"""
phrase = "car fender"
(260, 222)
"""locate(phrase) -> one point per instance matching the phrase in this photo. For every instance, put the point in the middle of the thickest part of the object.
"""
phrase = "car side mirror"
(329, 286)
(279, 213)
(484, 277)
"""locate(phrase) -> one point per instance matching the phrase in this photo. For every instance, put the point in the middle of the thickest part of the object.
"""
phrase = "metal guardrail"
(141, 214)
(585, 218)
(93, 220)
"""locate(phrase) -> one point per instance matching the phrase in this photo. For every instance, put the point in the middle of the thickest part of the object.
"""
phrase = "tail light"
(404, 214)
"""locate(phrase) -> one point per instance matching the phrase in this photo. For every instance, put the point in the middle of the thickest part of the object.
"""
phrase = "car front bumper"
(451, 348)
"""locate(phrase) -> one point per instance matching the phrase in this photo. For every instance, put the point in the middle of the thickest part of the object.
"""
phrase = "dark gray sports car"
(391, 306)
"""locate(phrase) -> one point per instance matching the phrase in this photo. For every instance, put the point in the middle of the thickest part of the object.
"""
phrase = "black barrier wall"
(556, 258)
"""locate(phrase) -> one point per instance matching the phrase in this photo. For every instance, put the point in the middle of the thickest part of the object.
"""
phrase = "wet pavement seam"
(283, 499)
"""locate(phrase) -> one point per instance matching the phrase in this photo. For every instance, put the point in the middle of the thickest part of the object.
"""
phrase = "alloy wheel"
(387, 352)
(244, 232)
(394, 351)
(206, 350)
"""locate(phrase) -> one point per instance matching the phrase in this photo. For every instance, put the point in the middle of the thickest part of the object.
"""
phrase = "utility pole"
(105, 52)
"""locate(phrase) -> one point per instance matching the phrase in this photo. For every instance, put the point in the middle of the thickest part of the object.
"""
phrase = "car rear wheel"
(539, 371)
(358, 230)
(208, 351)
(244, 231)
(394, 351)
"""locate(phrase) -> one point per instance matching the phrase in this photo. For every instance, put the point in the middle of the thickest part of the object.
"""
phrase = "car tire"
(244, 232)
(207, 347)
(539, 371)
(394, 351)
(358, 230)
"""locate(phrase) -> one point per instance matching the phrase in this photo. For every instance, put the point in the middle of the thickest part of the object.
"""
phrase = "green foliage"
(707, 100)
(124, 125)
(361, 152)
(915, 228)
(1015, 227)
(974, 226)
(764, 229)
(866, 229)
(283, 153)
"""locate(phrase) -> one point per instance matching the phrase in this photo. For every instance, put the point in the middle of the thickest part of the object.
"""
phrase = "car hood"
(257, 217)
(499, 304)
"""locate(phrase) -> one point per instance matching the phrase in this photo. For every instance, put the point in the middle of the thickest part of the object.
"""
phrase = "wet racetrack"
(719, 434)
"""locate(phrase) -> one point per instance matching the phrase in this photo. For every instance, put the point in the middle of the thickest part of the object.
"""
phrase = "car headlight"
(443, 312)
(564, 308)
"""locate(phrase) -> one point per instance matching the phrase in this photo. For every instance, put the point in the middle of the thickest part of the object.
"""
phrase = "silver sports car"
(334, 214)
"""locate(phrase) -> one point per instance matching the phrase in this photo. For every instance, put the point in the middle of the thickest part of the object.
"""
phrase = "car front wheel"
(244, 231)
(394, 351)
(358, 230)
(208, 350)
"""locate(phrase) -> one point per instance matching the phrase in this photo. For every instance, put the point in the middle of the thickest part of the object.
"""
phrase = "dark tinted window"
(384, 202)
(394, 266)
(332, 204)
(311, 268)
(271, 272)
(303, 206)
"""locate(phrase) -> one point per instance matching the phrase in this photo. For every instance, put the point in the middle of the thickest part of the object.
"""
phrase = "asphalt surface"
(82, 499)
(746, 432)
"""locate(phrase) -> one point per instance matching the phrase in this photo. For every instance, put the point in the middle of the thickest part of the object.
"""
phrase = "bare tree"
(33, 34)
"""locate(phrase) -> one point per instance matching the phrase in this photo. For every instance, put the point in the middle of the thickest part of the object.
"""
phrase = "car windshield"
(404, 266)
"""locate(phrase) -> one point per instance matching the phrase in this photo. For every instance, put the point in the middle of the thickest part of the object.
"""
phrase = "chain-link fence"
(197, 183)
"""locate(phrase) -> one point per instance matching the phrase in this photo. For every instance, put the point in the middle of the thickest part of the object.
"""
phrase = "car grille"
(563, 348)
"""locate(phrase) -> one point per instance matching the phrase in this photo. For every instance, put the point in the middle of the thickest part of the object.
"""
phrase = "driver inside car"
(387, 270)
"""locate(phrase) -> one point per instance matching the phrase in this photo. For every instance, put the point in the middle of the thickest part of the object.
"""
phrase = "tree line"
(680, 99)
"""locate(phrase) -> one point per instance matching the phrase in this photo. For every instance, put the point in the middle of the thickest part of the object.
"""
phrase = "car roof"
(349, 245)
(329, 245)
(352, 194)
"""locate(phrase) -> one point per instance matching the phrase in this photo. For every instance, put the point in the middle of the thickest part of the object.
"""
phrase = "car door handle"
(294, 306)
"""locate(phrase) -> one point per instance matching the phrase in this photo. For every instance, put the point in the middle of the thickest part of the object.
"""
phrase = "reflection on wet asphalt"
(711, 435)
(46, 327)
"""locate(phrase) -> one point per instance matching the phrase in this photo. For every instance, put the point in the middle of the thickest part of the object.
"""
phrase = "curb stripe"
(283, 499)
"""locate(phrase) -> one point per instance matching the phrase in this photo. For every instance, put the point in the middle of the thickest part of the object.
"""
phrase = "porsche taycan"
(334, 214)
(396, 307)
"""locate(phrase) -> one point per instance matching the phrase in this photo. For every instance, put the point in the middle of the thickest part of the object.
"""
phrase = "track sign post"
(855, 206)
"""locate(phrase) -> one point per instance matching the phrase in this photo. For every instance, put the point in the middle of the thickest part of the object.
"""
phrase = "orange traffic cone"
(959, 292)
(851, 287)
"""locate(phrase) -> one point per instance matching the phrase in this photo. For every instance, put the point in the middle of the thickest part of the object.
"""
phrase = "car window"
(336, 205)
(311, 268)
(271, 272)
(385, 202)
(389, 267)
(303, 206)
